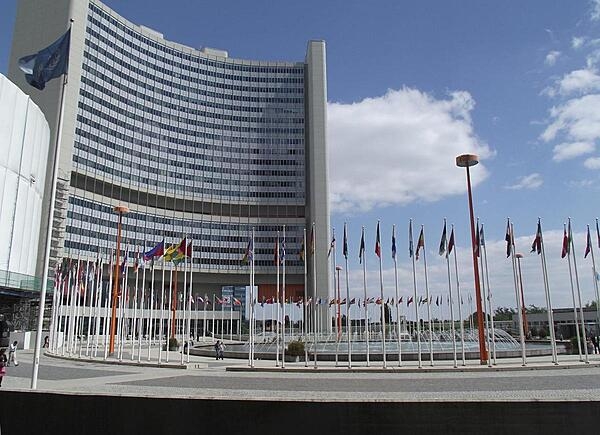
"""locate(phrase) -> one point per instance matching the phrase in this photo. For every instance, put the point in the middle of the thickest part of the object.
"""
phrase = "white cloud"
(552, 57)
(576, 82)
(578, 120)
(400, 148)
(531, 181)
(592, 163)
(570, 150)
(577, 42)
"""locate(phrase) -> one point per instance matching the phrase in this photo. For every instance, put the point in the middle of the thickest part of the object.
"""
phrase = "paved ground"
(207, 378)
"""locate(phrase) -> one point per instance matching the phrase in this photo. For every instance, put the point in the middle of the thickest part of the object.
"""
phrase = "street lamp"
(339, 319)
(525, 326)
(466, 161)
(120, 210)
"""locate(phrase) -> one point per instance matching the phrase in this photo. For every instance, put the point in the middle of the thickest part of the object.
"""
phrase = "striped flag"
(420, 243)
(451, 242)
(565, 245)
(536, 246)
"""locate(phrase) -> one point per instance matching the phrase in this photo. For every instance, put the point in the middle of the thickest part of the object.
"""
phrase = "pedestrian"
(3, 361)
(12, 353)
(46, 342)
(596, 344)
(217, 347)
(221, 350)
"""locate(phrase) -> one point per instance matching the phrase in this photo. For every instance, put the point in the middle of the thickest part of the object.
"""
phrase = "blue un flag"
(47, 64)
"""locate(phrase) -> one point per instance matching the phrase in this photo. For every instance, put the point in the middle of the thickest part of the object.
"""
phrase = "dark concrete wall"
(45, 413)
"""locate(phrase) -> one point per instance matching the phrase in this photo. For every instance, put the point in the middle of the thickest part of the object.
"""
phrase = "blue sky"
(413, 84)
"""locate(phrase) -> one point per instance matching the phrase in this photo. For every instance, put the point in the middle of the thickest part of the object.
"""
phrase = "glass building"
(193, 142)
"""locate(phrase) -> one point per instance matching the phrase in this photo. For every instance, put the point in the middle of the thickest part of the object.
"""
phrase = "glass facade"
(194, 144)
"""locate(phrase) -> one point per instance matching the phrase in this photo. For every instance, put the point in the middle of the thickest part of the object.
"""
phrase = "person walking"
(221, 350)
(3, 361)
(12, 353)
(217, 347)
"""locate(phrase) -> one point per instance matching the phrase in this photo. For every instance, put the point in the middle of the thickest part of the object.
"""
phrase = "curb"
(118, 363)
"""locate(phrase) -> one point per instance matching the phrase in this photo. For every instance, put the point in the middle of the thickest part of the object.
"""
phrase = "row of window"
(168, 139)
(169, 84)
(197, 59)
(175, 113)
(225, 193)
(167, 161)
(159, 220)
(131, 57)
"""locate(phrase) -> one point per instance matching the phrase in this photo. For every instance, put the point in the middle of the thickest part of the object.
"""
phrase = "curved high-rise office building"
(194, 143)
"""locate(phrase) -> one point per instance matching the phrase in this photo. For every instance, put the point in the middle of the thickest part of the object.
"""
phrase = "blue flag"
(47, 64)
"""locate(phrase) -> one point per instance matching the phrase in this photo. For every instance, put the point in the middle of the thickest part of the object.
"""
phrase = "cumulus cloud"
(595, 12)
(552, 57)
(576, 82)
(400, 148)
(566, 151)
(578, 120)
(531, 181)
(592, 163)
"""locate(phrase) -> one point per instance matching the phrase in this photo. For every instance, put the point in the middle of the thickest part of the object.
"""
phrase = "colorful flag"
(185, 248)
(312, 240)
(477, 240)
(451, 242)
(157, 251)
(565, 245)
(409, 301)
(48, 63)
(301, 252)
(345, 247)
(282, 251)
(124, 263)
(481, 237)
(136, 263)
(394, 242)
(442, 249)
(536, 246)
(361, 249)
(378, 243)
(170, 252)
(276, 252)
(352, 301)
(588, 246)
(420, 243)
(508, 238)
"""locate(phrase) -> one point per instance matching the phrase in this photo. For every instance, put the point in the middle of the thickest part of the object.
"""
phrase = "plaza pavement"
(206, 378)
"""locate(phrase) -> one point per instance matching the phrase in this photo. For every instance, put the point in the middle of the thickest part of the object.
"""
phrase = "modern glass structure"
(193, 142)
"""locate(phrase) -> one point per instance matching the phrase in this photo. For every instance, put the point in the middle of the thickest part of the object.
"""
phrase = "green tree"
(504, 313)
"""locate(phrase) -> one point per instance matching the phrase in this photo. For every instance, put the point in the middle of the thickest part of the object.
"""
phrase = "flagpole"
(459, 297)
(305, 302)
(484, 291)
(511, 246)
(283, 311)
(184, 304)
(314, 264)
(489, 298)
(396, 294)
(277, 301)
(140, 325)
(151, 308)
(87, 272)
(348, 322)
(596, 280)
(414, 269)
(541, 250)
(444, 249)
(253, 315)
(568, 254)
(106, 325)
(583, 331)
(378, 252)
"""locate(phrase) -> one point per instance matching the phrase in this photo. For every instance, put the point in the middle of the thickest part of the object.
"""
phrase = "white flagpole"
(98, 306)
(140, 327)
(162, 306)
(364, 262)
(170, 311)
(151, 307)
(573, 295)
(253, 316)
(348, 321)
(283, 312)
(277, 301)
(383, 351)
(305, 302)
(135, 306)
(106, 307)
(85, 288)
(489, 299)
(484, 290)
(315, 319)
(204, 318)
(190, 302)
(595, 278)
(583, 331)
(547, 294)
(213, 318)
(414, 268)
(184, 304)
(399, 339)
(459, 297)
(428, 300)
(451, 303)
(516, 282)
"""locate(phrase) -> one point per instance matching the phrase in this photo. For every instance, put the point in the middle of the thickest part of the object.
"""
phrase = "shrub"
(295, 348)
